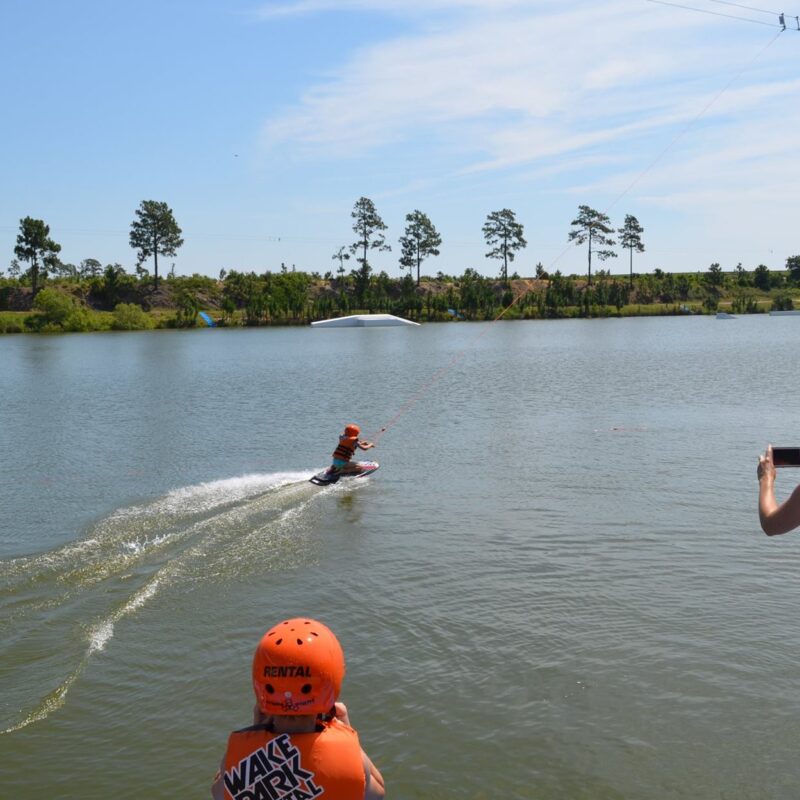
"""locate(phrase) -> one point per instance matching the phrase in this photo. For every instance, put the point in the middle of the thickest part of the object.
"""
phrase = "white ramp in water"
(363, 321)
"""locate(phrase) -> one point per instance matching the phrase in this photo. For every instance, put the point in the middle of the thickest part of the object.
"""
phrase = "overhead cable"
(719, 14)
(749, 8)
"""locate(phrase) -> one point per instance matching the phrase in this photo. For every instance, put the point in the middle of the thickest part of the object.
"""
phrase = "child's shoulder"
(253, 728)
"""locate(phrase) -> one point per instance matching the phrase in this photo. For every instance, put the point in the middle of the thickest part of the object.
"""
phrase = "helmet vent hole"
(299, 641)
(306, 688)
(278, 641)
(270, 688)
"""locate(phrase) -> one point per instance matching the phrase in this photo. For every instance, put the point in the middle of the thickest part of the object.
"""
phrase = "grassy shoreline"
(284, 299)
(165, 319)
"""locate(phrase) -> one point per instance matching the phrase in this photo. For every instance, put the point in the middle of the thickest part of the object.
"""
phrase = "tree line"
(155, 232)
(294, 296)
(501, 232)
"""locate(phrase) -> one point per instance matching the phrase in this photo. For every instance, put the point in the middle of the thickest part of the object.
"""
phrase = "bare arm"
(374, 789)
(775, 519)
(217, 789)
(364, 445)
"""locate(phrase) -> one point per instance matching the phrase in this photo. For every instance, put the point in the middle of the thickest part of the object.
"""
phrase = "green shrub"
(61, 312)
(78, 320)
(11, 323)
(54, 307)
(782, 302)
(130, 317)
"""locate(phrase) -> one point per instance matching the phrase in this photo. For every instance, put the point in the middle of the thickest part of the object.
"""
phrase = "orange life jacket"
(263, 765)
(346, 448)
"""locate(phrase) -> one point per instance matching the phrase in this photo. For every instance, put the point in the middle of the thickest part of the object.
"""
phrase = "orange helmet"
(352, 430)
(298, 668)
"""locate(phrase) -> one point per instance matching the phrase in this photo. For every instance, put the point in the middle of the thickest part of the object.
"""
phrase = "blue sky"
(261, 124)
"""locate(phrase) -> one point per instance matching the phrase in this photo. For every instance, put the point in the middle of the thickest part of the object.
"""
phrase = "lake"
(555, 585)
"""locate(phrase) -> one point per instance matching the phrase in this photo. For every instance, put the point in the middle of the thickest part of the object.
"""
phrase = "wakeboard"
(326, 477)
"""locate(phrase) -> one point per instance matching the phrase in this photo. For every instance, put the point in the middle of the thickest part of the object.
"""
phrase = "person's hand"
(341, 714)
(766, 469)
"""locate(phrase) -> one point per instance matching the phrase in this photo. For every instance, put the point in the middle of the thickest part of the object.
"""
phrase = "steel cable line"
(686, 128)
(428, 385)
(749, 8)
(715, 13)
(439, 374)
(678, 136)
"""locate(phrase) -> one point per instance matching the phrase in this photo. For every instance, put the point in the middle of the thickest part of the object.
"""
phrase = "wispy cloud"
(276, 10)
(607, 96)
(547, 81)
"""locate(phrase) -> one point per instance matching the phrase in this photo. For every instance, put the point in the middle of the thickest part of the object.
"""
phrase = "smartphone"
(786, 456)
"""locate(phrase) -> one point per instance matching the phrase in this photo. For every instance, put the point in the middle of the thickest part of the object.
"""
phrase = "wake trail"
(128, 538)
(99, 634)
(255, 526)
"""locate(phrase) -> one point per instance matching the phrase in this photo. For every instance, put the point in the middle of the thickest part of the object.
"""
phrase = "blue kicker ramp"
(208, 321)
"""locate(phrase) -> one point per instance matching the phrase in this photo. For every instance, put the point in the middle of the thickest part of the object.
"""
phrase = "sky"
(261, 123)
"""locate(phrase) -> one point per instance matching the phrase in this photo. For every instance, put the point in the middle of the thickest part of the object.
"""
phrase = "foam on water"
(51, 702)
(128, 529)
(137, 547)
(211, 495)
(203, 532)
(100, 634)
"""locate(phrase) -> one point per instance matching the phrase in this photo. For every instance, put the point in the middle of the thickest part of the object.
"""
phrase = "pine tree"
(593, 227)
(630, 236)
(420, 240)
(503, 233)
(35, 246)
(154, 232)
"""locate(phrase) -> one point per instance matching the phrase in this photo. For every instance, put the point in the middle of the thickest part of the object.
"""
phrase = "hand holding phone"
(786, 456)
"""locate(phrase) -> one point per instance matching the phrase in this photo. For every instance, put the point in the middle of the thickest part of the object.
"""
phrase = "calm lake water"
(554, 587)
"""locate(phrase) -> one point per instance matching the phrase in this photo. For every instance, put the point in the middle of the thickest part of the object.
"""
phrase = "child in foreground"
(301, 744)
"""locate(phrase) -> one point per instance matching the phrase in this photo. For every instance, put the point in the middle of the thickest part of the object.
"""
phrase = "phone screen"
(786, 456)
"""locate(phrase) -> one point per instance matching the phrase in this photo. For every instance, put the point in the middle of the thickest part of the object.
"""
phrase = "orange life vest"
(346, 448)
(263, 765)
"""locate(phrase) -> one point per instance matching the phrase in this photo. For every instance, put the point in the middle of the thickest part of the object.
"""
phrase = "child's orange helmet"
(298, 668)
(352, 430)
